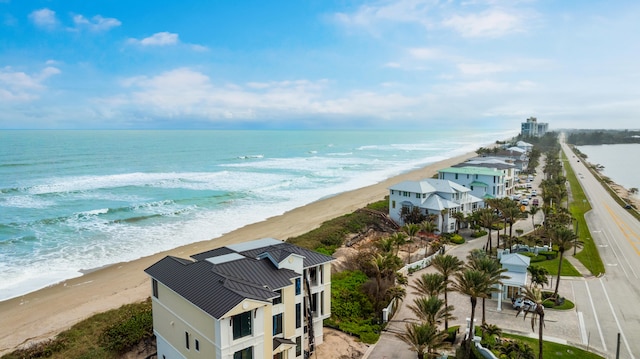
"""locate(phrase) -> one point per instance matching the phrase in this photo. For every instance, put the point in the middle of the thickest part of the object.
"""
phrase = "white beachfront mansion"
(433, 196)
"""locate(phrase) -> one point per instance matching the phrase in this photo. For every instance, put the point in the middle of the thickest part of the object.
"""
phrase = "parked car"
(529, 185)
(534, 193)
(524, 202)
(525, 304)
(535, 202)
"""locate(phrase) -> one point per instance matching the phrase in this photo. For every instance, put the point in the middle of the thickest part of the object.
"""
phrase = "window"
(186, 339)
(241, 325)
(298, 315)
(298, 346)
(417, 195)
(154, 285)
(298, 286)
(393, 204)
(322, 303)
(277, 324)
(279, 299)
(197, 345)
(392, 192)
(277, 356)
(456, 176)
(246, 353)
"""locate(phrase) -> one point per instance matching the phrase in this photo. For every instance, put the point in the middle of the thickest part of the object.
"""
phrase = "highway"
(610, 304)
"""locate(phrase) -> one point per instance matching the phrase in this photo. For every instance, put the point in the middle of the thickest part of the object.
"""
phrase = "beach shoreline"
(42, 314)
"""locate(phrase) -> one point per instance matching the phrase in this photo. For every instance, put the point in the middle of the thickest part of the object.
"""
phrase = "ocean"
(73, 201)
(620, 162)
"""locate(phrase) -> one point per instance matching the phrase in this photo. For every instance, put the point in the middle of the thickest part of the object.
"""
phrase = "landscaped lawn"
(552, 266)
(579, 205)
(553, 350)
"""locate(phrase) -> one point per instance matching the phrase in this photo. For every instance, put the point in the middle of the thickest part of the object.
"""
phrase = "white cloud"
(424, 53)
(97, 23)
(482, 68)
(489, 23)
(18, 86)
(407, 11)
(44, 18)
(158, 39)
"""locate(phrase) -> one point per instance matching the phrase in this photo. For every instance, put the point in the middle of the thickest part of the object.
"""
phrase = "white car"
(523, 304)
(534, 193)
(525, 202)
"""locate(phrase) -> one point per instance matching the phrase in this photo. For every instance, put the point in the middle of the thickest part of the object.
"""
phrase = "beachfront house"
(432, 196)
(483, 182)
(508, 169)
(516, 266)
(259, 299)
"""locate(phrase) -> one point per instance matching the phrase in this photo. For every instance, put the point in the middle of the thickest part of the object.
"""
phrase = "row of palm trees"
(477, 278)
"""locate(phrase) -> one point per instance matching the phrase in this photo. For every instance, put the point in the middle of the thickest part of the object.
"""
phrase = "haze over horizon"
(318, 64)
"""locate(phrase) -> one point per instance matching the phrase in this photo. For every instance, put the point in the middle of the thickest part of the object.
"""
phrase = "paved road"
(561, 326)
(609, 305)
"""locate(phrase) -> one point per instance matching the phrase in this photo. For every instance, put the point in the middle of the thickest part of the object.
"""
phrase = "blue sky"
(318, 64)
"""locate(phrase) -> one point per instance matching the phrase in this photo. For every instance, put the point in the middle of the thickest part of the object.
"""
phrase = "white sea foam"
(93, 220)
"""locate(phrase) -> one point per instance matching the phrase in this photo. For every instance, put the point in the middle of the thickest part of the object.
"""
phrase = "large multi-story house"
(259, 299)
(432, 197)
(509, 170)
(483, 182)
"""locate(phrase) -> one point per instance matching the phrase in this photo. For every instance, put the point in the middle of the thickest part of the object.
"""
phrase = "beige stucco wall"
(173, 316)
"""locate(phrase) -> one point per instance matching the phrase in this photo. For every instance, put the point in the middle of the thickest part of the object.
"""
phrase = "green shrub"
(128, 332)
(452, 333)
(534, 257)
(548, 254)
(479, 233)
(456, 239)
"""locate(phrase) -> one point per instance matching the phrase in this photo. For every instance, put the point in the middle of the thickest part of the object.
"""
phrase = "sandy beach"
(42, 314)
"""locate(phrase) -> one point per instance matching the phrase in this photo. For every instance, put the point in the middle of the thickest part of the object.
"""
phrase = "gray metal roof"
(283, 250)
(217, 286)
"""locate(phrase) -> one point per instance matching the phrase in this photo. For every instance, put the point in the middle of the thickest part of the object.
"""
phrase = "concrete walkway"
(561, 326)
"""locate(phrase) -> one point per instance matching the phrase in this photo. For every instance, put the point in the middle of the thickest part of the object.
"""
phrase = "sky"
(318, 64)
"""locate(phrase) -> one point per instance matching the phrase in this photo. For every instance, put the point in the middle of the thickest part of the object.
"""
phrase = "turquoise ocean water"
(78, 200)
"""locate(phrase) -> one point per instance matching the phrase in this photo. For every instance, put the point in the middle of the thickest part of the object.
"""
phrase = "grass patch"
(101, 336)
(552, 266)
(589, 255)
(553, 350)
(332, 233)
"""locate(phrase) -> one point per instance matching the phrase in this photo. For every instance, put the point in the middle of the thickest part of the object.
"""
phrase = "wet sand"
(44, 313)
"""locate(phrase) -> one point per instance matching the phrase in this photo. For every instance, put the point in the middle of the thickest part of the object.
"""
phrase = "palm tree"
(399, 239)
(565, 239)
(460, 217)
(386, 244)
(431, 310)
(429, 284)
(424, 339)
(411, 230)
(511, 213)
(538, 275)
(443, 212)
(532, 211)
(491, 329)
(430, 227)
(475, 284)
(488, 218)
(534, 294)
(447, 265)
(493, 270)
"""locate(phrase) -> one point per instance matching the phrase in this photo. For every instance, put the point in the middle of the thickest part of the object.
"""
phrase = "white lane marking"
(595, 316)
(583, 329)
(624, 338)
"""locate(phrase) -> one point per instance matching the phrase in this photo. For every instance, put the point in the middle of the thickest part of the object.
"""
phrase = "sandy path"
(46, 312)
